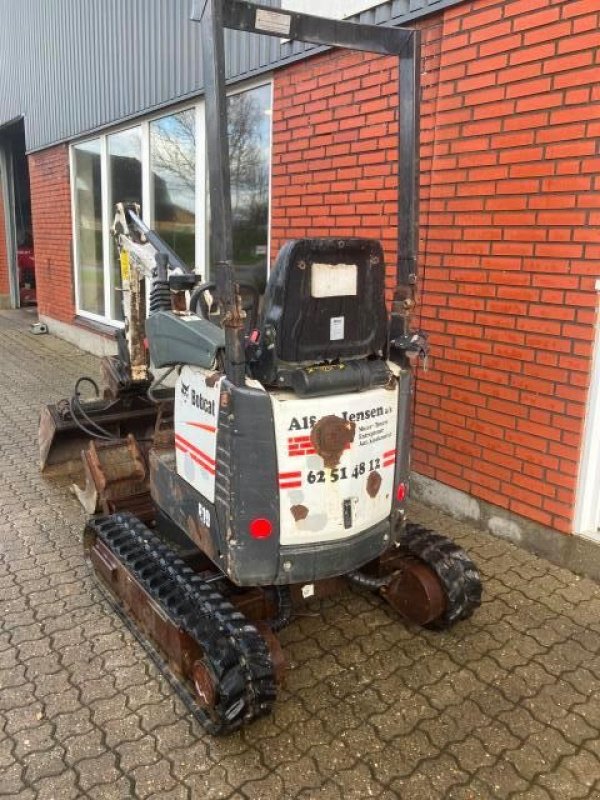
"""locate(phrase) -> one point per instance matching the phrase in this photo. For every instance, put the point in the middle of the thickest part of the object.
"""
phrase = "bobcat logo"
(185, 391)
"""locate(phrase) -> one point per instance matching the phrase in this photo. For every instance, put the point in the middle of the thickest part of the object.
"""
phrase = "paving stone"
(97, 771)
(153, 778)
(210, 785)
(44, 764)
(504, 706)
(58, 787)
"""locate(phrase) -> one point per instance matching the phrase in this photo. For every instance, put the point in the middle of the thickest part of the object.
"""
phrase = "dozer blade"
(63, 438)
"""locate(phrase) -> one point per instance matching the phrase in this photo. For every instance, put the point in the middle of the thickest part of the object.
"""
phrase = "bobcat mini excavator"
(278, 468)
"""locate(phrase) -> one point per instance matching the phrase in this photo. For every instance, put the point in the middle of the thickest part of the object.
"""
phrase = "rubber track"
(236, 653)
(457, 572)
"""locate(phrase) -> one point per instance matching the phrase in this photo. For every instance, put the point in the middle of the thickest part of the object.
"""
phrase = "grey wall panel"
(75, 66)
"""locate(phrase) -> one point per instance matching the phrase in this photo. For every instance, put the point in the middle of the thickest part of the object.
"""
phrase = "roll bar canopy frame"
(216, 15)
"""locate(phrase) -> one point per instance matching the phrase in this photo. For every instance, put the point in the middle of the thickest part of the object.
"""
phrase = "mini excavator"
(275, 470)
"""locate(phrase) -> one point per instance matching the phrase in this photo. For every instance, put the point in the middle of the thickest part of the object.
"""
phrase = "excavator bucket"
(67, 427)
(64, 433)
(116, 479)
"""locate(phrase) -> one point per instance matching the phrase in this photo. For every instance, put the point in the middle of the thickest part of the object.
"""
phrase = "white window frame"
(201, 209)
(587, 506)
(74, 216)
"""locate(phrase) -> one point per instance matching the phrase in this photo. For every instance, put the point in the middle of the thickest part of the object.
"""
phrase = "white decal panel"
(196, 410)
(336, 462)
(272, 21)
(334, 280)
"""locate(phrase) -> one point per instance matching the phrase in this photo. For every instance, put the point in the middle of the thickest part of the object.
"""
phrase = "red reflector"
(260, 528)
(401, 492)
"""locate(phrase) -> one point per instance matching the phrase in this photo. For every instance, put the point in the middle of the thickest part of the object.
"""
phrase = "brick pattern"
(4, 283)
(335, 149)
(52, 232)
(509, 225)
(505, 706)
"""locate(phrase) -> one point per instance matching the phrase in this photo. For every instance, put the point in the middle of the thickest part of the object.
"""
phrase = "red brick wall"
(52, 232)
(510, 243)
(4, 284)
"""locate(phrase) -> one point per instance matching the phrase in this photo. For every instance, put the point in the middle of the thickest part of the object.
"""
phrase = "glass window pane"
(173, 170)
(249, 128)
(124, 186)
(88, 226)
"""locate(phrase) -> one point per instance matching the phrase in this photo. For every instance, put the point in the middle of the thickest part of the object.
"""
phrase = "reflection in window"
(249, 128)
(173, 173)
(124, 186)
(88, 226)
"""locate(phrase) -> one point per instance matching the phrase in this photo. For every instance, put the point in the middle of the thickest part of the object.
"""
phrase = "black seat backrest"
(325, 300)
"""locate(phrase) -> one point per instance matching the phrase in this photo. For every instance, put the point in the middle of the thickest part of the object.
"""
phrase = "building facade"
(507, 415)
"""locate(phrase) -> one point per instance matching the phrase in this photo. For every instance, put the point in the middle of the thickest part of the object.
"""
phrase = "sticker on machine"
(272, 21)
(196, 409)
(336, 461)
(336, 329)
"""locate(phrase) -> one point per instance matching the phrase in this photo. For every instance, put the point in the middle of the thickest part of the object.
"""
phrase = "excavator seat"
(324, 305)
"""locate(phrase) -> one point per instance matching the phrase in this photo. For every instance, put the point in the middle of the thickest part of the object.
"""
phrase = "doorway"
(17, 223)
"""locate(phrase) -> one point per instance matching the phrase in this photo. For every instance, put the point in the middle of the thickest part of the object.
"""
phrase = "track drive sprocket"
(454, 568)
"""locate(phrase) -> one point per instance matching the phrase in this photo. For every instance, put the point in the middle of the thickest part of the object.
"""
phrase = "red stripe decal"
(389, 453)
(289, 475)
(195, 449)
(389, 463)
(202, 426)
(297, 485)
(195, 458)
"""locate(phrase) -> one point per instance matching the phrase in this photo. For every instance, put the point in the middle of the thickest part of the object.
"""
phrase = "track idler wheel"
(416, 593)
(438, 584)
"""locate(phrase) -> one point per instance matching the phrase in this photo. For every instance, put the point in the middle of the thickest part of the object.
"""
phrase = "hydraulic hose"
(368, 581)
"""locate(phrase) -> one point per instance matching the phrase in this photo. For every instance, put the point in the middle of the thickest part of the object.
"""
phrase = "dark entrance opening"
(17, 223)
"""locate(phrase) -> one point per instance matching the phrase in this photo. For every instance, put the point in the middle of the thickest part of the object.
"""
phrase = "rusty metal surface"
(204, 684)
(373, 483)
(61, 440)
(280, 663)
(183, 652)
(137, 326)
(116, 478)
(164, 430)
(415, 592)
(299, 512)
(330, 437)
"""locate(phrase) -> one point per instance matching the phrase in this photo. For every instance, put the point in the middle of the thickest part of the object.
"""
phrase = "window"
(173, 174)
(124, 186)
(336, 9)
(160, 164)
(249, 130)
(88, 227)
